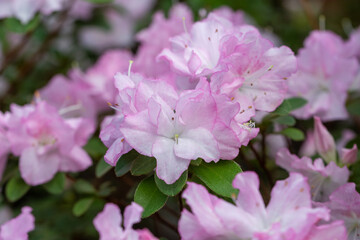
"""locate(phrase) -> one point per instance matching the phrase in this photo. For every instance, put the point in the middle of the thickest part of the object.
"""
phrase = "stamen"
(176, 138)
(37, 96)
(113, 107)
(70, 108)
(129, 69)
(322, 22)
(184, 25)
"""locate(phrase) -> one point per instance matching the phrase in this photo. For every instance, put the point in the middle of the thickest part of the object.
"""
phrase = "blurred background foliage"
(289, 20)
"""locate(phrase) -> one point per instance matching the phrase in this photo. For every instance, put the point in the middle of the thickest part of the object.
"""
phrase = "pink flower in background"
(322, 179)
(25, 10)
(345, 205)
(111, 226)
(98, 81)
(45, 142)
(160, 29)
(323, 78)
(289, 214)
(18, 228)
(4, 145)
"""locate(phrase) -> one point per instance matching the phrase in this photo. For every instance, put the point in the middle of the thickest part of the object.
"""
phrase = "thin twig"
(166, 223)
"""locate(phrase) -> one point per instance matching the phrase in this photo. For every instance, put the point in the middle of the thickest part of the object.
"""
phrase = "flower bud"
(324, 142)
(349, 156)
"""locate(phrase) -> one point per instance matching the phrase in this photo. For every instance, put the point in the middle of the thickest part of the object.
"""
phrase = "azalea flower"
(18, 228)
(289, 214)
(110, 225)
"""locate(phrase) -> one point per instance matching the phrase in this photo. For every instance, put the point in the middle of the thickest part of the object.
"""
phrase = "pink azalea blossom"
(110, 225)
(25, 10)
(322, 179)
(323, 77)
(18, 228)
(345, 205)
(45, 142)
(289, 214)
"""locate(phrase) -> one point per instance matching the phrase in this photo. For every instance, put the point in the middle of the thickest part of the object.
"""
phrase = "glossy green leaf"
(293, 133)
(289, 105)
(149, 197)
(102, 168)
(84, 187)
(123, 165)
(82, 206)
(285, 120)
(172, 189)
(95, 148)
(218, 176)
(143, 165)
(16, 188)
(56, 185)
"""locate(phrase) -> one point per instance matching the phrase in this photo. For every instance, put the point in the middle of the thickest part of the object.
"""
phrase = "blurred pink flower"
(322, 179)
(323, 78)
(110, 225)
(289, 214)
(18, 228)
(324, 141)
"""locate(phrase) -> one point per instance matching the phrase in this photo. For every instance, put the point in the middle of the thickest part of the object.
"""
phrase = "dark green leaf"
(149, 196)
(56, 185)
(143, 165)
(289, 105)
(353, 107)
(196, 162)
(123, 165)
(82, 206)
(84, 187)
(172, 189)
(102, 168)
(14, 25)
(218, 176)
(16, 188)
(95, 148)
(293, 133)
(285, 120)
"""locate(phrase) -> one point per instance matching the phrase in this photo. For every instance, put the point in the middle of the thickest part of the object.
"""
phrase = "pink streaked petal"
(169, 167)
(197, 143)
(108, 222)
(36, 169)
(249, 198)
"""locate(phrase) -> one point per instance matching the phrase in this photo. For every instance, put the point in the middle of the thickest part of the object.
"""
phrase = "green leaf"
(14, 25)
(95, 148)
(289, 105)
(353, 107)
(56, 185)
(82, 206)
(84, 187)
(293, 133)
(99, 1)
(285, 120)
(16, 188)
(102, 168)
(218, 176)
(143, 165)
(149, 197)
(172, 189)
(123, 165)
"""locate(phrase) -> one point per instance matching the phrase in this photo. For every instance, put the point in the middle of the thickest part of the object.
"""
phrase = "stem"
(309, 14)
(166, 223)
(262, 164)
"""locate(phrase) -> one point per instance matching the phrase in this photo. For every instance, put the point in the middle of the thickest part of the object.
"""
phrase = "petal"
(132, 215)
(349, 156)
(18, 228)
(118, 148)
(36, 169)
(324, 141)
(169, 167)
(291, 193)
(197, 143)
(77, 160)
(332, 231)
(190, 228)
(108, 222)
(249, 198)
